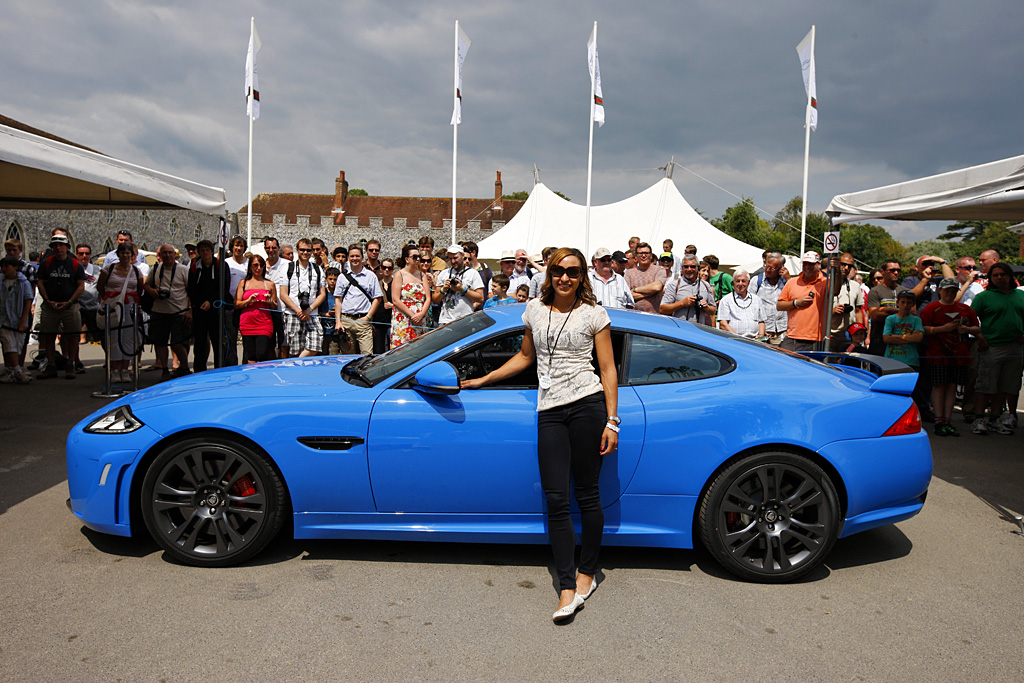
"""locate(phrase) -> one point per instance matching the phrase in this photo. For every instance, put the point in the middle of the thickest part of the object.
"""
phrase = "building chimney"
(340, 195)
(497, 193)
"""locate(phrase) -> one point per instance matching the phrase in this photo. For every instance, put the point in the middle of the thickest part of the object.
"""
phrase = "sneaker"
(998, 427)
(979, 427)
(48, 372)
(7, 376)
(79, 368)
(1008, 420)
(949, 430)
(940, 429)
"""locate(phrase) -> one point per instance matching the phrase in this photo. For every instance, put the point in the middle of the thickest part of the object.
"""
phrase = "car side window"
(480, 359)
(653, 360)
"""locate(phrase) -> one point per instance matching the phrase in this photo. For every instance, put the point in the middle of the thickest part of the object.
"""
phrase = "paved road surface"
(935, 598)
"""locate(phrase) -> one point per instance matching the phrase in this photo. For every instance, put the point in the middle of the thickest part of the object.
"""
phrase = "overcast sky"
(905, 89)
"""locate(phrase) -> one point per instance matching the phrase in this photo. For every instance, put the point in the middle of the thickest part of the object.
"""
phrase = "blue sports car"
(766, 456)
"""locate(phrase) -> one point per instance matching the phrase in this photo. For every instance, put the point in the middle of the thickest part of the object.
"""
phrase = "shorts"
(12, 341)
(257, 347)
(67, 320)
(947, 374)
(303, 334)
(168, 329)
(999, 370)
(799, 345)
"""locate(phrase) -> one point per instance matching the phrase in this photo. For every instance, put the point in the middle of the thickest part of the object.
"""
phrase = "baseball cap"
(665, 256)
(59, 239)
(619, 256)
(811, 257)
(601, 253)
(949, 283)
(456, 249)
(508, 255)
(855, 328)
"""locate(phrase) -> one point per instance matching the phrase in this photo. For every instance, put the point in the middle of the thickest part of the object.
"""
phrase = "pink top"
(255, 318)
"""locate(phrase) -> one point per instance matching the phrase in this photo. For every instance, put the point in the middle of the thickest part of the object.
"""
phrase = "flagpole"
(455, 134)
(807, 152)
(251, 107)
(590, 160)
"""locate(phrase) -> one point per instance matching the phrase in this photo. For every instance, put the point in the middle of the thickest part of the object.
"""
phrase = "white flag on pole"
(806, 51)
(462, 43)
(595, 77)
(252, 77)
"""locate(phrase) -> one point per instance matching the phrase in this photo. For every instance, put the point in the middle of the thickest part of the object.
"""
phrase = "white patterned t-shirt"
(564, 344)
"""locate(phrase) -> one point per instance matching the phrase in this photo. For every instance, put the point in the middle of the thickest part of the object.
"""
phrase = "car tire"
(211, 502)
(770, 517)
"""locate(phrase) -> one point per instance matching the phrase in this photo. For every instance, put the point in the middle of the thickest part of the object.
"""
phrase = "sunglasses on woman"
(573, 272)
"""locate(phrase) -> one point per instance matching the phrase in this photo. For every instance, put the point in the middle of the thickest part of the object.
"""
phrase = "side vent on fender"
(330, 443)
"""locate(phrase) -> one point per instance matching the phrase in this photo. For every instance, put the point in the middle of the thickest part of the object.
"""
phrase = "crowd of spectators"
(961, 326)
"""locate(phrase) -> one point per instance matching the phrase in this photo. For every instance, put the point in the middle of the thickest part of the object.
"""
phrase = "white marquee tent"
(656, 214)
(41, 173)
(993, 191)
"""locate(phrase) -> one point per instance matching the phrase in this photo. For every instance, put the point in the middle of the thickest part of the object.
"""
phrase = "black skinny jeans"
(569, 447)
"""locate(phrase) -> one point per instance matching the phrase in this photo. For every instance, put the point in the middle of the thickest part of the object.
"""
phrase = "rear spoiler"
(893, 377)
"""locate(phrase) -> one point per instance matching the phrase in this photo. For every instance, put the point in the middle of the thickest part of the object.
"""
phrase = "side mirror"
(437, 378)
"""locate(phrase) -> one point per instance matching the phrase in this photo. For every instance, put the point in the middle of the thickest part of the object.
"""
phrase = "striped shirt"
(611, 294)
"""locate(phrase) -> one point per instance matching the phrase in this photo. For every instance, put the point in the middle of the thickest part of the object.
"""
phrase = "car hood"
(290, 378)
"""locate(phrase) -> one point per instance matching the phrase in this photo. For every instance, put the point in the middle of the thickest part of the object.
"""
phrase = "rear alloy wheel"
(212, 503)
(770, 517)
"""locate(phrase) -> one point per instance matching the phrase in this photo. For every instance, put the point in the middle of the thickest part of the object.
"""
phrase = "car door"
(476, 451)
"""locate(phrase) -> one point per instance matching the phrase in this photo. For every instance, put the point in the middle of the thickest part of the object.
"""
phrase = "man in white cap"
(458, 287)
(609, 287)
(522, 272)
(804, 299)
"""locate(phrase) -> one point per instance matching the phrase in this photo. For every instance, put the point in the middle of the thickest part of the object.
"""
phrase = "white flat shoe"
(593, 587)
(570, 609)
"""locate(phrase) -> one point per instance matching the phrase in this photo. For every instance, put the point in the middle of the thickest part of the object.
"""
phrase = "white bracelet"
(614, 428)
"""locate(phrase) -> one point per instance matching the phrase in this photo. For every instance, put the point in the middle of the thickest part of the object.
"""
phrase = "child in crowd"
(15, 305)
(523, 293)
(858, 335)
(499, 288)
(332, 340)
(902, 333)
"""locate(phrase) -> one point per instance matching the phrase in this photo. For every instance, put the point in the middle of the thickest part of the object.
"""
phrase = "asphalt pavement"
(934, 598)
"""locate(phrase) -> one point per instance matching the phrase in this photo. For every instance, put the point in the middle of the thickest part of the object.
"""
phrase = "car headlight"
(117, 421)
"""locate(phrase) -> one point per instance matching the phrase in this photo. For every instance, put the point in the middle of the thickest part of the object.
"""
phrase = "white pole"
(252, 93)
(590, 163)
(455, 135)
(807, 153)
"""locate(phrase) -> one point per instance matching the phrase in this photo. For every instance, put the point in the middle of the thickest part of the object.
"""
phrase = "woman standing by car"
(577, 423)
(119, 286)
(409, 297)
(256, 297)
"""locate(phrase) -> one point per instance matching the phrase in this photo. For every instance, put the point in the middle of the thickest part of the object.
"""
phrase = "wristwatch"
(614, 419)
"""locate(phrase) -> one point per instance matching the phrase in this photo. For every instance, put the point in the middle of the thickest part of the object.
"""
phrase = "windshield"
(369, 370)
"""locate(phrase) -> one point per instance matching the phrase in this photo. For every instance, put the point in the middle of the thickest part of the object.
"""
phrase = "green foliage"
(871, 244)
(932, 248)
(975, 237)
(520, 196)
(562, 196)
(965, 230)
(356, 192)
(786, 223)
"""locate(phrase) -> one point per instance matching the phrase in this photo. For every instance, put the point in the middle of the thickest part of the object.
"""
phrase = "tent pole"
(590, 163)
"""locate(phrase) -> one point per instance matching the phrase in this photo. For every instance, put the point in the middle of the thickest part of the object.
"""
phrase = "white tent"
(40, 173)
(656, 214)
(993, 191)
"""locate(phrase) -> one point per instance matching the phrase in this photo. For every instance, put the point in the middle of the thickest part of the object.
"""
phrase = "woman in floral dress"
(410, 289)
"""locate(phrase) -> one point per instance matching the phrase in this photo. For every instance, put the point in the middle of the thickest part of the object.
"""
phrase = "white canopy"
(654, 215)
(993, 191)
(40, 173)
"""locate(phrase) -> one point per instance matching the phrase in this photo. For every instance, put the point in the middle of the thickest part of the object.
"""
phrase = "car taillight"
(909, 423)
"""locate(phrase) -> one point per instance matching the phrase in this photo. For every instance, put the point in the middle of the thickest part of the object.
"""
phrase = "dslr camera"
(303, 300)
(163, 294)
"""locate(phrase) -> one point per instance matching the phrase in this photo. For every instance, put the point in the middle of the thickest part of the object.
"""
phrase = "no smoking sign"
(831, 242)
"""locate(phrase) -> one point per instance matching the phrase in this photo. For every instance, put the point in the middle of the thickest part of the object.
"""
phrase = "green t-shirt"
(1002, 315)
(722, 284)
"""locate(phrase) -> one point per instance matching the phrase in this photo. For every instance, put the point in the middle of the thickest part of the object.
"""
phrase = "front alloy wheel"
(770, 517)
(212, 503)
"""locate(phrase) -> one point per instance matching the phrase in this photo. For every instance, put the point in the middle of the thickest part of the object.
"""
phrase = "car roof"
(512, 315)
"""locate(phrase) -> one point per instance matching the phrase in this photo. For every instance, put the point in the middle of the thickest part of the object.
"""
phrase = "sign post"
(831, 248)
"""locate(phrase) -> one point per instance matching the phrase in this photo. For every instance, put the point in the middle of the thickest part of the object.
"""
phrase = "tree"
(871, 244)
(356, 192)
(965, 230)
(787, 222)
(520, 196)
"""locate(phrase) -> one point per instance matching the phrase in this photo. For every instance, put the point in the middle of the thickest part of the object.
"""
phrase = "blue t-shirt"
(896, 325)
(495, 301)
(326, 308)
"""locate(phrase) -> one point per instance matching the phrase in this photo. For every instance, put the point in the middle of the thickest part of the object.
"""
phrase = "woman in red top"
(946, 324)
(257, 297)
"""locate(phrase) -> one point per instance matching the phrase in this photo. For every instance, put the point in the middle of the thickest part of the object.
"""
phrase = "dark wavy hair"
(406, 250)
(1006, 268)
(584, 291)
